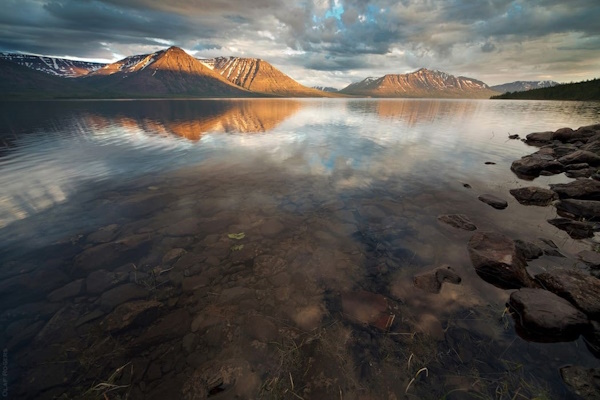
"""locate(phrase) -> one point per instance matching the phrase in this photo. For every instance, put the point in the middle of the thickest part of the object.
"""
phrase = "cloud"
(354, 38)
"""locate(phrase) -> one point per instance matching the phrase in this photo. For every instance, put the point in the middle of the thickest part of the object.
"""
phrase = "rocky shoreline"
(562, 303)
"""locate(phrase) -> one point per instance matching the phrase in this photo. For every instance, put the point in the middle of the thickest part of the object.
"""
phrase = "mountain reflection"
(414, 112)
(191, 120)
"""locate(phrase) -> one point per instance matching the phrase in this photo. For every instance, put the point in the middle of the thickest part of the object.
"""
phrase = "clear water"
(335, 198)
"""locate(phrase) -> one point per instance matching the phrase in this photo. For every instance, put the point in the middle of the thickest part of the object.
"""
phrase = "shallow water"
(337, 201)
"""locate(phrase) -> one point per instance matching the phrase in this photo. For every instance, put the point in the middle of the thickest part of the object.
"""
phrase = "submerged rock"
(582, 290)
(131, 315)
(432, 281)
(545, 317)
(459, 221)
(367, 308)
(585, 382)
(121, 294)
(497, 261)
(493, 201)
(534, 196)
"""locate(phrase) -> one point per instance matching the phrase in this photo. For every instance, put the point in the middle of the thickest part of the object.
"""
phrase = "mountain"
(19, 81)
(259, 76)
(581, 91)
(521, 86)
(52, 65)
(326, 89)
(166, 73)
(421, 83)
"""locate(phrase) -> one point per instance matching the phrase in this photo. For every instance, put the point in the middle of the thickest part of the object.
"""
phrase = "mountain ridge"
(420, 83)
(55, 66)
(521, 86)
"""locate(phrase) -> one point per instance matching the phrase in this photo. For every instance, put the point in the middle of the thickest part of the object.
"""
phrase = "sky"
(325, 42)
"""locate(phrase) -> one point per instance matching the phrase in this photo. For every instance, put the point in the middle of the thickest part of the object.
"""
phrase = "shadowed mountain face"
(421, 83)
(52, 65)
(259, 76)
(521, 86)
(19, 81)
(170, 72)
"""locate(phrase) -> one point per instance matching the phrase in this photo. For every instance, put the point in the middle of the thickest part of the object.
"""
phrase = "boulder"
(585, 382)
(575, 229)
(459, 221)
(131, 315)
(580, 156)
(431, 281)
(527, 250)
(574, 208)
(550, 248)
(545, 317)
(530, 166)
(497, 261)
(584, 189)
(580, 173)
(539, 137)
(534, 196)
(581, 289)
(71, 289)
(101, 280)
(111, 255)
(493, 201)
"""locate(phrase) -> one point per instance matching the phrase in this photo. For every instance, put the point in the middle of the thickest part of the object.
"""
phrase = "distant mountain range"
(421, 83)
(521, 86)
(174, 73)
(582, 91)
(52, 65)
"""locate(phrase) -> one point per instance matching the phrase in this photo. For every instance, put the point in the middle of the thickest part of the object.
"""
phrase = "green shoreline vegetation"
(579, 91)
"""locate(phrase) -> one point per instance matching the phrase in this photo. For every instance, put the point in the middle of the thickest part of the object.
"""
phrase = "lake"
(267, 248)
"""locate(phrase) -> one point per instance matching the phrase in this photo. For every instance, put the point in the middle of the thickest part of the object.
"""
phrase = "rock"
(568, 135)
(550, 248)
(584, 189)
(459, 221)
(527, 250)
(591, 258)
(190, 284)
(104, 234)
(580, 156)
(587, 209)
(580, 173)
(432, 281)
(489, 163)
(581, 289)
(539, 137)
(57, 328)
(172, 256)
(466, 185)
(575, 229)
(533, 195)
(121, 294)
(530, 166)
(72, 289)
(131, 315)
(575, 167)
(545, 317)
(30, 286)
(514, 137)
(497, 261)
(585, 382)
(111, 255)
(493, 201)
(367, 308)
(101, 280)
(592, 339)
(172, 326)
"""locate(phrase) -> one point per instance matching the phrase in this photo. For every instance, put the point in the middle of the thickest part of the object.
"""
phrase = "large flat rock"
(545, 317)
(497, 260)
(534, 196)
(584, 189)
(581, 289)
